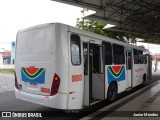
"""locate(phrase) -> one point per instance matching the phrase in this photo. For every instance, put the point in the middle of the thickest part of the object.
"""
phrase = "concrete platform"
(143, 104)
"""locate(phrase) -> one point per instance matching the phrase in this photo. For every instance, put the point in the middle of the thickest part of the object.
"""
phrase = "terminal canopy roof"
(139, 17)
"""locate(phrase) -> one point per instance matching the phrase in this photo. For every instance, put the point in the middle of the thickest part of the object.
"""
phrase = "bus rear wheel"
(112, 92)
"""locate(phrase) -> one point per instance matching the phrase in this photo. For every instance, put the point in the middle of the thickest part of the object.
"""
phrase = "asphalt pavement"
(6, 82)
(8, 102)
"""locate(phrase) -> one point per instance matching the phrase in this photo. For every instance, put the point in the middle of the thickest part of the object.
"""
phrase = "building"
(6, 56)
(12, 52)
(1, 58)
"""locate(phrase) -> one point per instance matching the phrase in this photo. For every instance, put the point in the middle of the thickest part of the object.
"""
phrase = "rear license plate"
(33, 85)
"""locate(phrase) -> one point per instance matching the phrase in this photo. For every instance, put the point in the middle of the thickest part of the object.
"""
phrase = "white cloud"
(153, 48)
(19, 14)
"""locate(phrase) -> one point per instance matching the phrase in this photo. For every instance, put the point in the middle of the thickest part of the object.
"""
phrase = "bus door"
(86, 74)
(129, 67)
(93, 73)
(98, 82)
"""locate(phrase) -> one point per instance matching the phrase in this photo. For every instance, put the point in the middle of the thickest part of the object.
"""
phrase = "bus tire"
(75, 111)
(72, 111)
(112, 92)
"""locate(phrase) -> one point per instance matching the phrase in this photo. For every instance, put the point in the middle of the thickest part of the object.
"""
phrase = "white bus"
(63, 67)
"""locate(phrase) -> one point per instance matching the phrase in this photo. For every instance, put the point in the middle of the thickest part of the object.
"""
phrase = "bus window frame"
(137, 59)
(113, 60)
(104, 50)
(79, 49)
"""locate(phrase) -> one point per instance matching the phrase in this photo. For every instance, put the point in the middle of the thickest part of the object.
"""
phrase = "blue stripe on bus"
(38, 79)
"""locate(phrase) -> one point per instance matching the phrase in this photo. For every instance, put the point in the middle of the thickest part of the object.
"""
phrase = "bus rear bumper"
(58, 101)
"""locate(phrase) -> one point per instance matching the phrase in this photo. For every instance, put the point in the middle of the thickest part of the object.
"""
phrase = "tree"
(97, 27)
(141, 46)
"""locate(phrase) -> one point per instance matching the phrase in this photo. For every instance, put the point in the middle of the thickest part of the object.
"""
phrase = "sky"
(19, 14)
(153, 48)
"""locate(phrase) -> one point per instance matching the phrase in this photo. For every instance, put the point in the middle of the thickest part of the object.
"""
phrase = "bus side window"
(85, 58)
(136, 58)
(96, 59)
(118, 53)
(140, 57)
(75, 49)
(107, 53)
(144, 59)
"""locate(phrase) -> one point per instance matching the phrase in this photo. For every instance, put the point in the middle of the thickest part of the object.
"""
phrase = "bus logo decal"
(31, 74)
(116, 73)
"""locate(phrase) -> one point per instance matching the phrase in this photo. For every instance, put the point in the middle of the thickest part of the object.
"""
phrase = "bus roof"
(36, 27)
(103, 38)
(85, 33)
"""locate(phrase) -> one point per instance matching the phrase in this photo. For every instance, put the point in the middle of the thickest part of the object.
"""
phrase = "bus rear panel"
(38, 76)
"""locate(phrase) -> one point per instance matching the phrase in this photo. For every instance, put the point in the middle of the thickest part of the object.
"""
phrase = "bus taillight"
(55, 85)
(16, 82)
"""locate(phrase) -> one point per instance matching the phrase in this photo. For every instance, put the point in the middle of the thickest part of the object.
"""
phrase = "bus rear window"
(75, 49)
(35, 41)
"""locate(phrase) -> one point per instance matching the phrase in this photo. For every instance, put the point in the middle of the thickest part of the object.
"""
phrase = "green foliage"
(7, 71)
(92, 26)
(97, 27)
(141, 46)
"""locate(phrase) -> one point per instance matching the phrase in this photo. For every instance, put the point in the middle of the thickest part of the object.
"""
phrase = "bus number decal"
(45, 90)
(115, 73)
(76, 78)
(139, 70)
